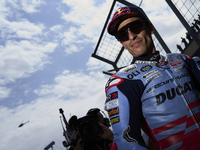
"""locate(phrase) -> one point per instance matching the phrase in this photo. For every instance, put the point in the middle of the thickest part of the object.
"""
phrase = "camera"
(88, 127)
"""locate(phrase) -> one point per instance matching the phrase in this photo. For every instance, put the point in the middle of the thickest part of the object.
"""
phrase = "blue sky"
(46, 64)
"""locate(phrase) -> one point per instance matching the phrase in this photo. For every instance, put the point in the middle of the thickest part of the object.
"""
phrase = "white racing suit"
(163, 96)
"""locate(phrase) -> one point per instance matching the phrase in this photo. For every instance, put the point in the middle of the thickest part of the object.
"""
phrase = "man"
(102, 142)
(158, 94)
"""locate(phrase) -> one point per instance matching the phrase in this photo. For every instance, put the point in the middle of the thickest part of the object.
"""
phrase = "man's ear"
(151, 28)
(123, 45)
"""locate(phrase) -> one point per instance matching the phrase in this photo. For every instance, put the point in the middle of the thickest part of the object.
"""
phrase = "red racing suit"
(161, 96)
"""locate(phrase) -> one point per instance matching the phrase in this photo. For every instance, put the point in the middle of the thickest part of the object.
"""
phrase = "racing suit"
(159, 94)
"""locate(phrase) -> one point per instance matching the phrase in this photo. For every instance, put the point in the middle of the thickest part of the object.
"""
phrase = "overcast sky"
(46, 64)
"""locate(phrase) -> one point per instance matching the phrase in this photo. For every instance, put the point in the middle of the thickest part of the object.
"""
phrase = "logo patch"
(179, 68)
(127, 137)
(144, 62)
(113, 112)
(129, 68)
(149, 74)
(114, 120)
(146, 68)
(161, 63)
(154, 57)
(133, 74)
(179, 57)
(170, 59)
(112, 96)
(111, 104)
(166, 82)
(176, 63)
(173, 92)
(154, 77)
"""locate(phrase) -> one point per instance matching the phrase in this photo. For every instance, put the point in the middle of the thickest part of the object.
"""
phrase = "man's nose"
(131, 35)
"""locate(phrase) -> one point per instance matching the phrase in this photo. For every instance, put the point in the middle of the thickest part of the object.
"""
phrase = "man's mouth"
(136, 43)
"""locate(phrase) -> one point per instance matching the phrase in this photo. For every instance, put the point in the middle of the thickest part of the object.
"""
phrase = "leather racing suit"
(161, 95)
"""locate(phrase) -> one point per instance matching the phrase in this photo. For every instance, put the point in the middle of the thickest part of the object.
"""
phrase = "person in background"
(102, 142)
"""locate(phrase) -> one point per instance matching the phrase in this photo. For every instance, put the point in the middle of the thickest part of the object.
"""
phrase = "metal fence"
(190, 13)
(109, 50)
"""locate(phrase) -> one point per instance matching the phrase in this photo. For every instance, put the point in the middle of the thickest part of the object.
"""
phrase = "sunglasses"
(136, 27)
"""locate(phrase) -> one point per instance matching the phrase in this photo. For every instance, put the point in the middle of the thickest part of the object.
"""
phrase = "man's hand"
(77, 144)
(107, 133)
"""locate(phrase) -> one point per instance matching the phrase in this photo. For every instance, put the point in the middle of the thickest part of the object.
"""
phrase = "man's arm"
(194, 67)
(124, 108)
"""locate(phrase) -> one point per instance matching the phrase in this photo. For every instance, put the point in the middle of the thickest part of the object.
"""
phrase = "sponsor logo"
(166, 82)
(129, 68)
(112, 96)
(127, 137)
(179, 57)
(146, 68)
(170, 59)
(179, 68)
(176, 63)
(171, 94)
(144, 62)
(154, 57)
(120, 10)
(161, 63)
(113, 112)
(149, 74)
(114, 120)
(133, 74)
(154, 77)
(111, 104)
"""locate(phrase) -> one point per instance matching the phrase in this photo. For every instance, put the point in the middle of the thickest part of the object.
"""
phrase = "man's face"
(141, 43)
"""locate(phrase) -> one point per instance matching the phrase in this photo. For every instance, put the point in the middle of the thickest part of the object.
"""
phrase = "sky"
(46, 64)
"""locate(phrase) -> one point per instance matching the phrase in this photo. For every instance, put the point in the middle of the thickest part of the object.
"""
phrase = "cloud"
(74, 92)
(4, 92)
(44, 124)
(87, 20)
(56, 28)
(19, 59)
(73, 84)
(21, 29)
(31, 6)
(165, 22)
(73, 41)
(94, 64)
(27, 6)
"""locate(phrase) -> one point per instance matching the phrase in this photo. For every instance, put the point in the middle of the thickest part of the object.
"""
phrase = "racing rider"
(159, 94)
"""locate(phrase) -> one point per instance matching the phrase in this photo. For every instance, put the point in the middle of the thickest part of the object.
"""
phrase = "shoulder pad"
(113, 81)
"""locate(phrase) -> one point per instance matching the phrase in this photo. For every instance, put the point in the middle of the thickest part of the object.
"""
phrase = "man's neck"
(149, 57)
